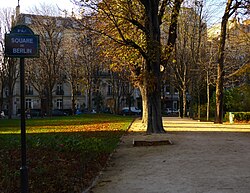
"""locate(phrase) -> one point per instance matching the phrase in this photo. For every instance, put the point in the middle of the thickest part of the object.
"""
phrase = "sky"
(214, 7)
(26, 5)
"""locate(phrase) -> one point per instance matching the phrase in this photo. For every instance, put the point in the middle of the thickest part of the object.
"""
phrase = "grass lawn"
(63, 154)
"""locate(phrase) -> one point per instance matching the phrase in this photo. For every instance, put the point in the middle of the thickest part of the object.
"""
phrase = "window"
(176, 91)
(58, 23)
(78, 105)
(45, 21)
(29, 90)
(29, 104)
(59, 103)
(27, 20)
(167, 89)
(175, 105)
(78, 90)
(6, 92)
(46, 35)
(59, 89)
(109, 90)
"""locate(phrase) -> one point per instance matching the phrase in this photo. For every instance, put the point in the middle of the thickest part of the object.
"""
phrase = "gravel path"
(204, 158)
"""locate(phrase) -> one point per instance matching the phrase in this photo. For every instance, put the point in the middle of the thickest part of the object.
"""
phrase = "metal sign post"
(22, 43)
(24, 168)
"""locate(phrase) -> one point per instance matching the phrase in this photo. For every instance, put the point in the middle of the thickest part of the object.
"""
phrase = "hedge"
(239, 116)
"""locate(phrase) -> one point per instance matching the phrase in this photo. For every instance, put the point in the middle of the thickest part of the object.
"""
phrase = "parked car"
(130, 111)
(58, 112)
(35, 113)
(169, 111)
(107, 110)
(78, 112)
(2, 115)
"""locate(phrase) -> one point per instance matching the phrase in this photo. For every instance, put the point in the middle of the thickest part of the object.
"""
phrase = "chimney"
(17, 10)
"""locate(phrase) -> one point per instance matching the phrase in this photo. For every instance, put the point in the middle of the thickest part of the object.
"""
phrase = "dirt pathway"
(198, 162)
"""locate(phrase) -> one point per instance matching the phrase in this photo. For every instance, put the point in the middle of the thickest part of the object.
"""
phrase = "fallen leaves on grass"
(63, 157)
(51, 170)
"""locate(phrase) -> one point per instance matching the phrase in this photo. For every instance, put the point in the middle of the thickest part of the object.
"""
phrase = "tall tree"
(231, 8)
(9, 66)
(185, 69)
(47, 70)
(91, 65)
(210, 68)
(73, 64)
(120, 21)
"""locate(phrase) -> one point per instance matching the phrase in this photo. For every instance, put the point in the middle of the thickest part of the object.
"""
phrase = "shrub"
(239, 116)
(242, 116)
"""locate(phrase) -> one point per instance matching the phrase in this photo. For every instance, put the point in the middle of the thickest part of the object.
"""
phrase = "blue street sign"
(21, 42)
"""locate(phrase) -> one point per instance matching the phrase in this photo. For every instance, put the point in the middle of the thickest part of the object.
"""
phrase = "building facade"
(77, 82)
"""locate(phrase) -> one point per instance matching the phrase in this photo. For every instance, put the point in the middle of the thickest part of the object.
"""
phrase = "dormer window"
(27, 20)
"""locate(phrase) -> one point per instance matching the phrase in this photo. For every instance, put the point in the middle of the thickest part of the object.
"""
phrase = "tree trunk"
(219, 96)
(152, 117)
(191, 113)
(12, 77)
(50, 98)
(199, 105)
(208, 97)
(43, 106)
(220, 66)
(154, 124)
(181, 104)
(89, 99)
(73, 98)
(1, 95)
(184, 99)
(152, 80)
(1, 102)
(144, 104)
(10, 105)
(12, 81)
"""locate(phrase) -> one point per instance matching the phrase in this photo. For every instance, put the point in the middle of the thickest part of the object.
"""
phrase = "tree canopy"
(133, 27)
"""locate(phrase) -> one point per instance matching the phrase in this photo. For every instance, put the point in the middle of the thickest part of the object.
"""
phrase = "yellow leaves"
(74, 128)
